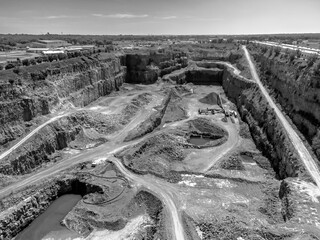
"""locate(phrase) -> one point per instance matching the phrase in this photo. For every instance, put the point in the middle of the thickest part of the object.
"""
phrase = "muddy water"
(49, 221)
(198, 140)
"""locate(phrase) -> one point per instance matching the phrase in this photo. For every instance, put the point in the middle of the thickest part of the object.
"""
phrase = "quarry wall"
(266, 129)
(74, 81)
(78, 82)
(14, 219)
(84, 80)
(297, 89)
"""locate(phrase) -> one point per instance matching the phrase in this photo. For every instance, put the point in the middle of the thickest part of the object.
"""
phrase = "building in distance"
(50, 44)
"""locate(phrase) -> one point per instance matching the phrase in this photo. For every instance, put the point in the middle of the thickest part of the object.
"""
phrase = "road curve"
(160, 192)
(103, 151)
(303, 152)
(6, 153)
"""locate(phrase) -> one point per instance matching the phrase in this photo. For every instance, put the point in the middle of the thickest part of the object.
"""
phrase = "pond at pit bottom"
(199, 140)
(49, 221)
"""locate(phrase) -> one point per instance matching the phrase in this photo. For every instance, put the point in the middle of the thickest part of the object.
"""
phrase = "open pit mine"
(177, 143)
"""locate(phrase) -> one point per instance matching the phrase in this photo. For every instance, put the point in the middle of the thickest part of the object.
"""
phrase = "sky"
(108, 17)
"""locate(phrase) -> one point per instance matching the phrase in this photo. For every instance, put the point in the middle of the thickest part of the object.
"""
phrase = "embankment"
(296, 87)
(266, 129)
(16, 218)
(146, 67)
(39, 90)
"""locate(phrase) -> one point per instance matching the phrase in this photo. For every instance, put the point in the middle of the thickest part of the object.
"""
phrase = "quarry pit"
(139, 145)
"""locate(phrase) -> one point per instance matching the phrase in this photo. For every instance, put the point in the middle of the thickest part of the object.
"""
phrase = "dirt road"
(304, 154)
(105, 151)
(159, 192)
(6, 153)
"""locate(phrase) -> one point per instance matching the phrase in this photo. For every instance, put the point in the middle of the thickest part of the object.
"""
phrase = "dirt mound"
(231, 227)
(133, 107)
(151, 122)
(154, 155)
(175, 110)
(205, 126)
(184, 89)
(104, 124)
(87, 138)
(232, 163)
(211, 99)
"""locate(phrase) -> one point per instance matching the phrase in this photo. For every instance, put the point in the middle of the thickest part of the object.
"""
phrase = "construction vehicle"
(205, 111)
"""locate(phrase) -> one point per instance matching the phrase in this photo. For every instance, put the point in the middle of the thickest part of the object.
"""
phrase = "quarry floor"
(227, 191)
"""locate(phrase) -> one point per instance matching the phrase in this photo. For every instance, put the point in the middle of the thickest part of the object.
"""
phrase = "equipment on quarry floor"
(209, 110)
(205, 111)
(230, 113)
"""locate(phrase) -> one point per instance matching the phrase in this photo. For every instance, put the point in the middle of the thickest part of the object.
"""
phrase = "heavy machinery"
(201, 111)
(209, 111)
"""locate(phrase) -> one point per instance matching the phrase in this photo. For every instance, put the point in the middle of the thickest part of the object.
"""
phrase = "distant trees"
(292, 56)
(33, 61)
(311, 60)
(62, 56)
(298, 53)
(25, 62)
(264, 49)
(229, 40)
(11, 81)
(36, 76)
(317, 69)
(52, 57)
(39, 60)
(9, 66)
(277, 51)
(16, 70)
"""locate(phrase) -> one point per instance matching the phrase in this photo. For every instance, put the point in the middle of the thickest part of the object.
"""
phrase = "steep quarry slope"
(265, 127)
(237, 194)
(28, 94)
(254, 109)
(146, 67)
(42, 89)
(296, 87)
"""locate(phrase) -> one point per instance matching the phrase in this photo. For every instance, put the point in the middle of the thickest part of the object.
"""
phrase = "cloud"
(120, 15)
(52, 17)
(168, 17)
(59, 17)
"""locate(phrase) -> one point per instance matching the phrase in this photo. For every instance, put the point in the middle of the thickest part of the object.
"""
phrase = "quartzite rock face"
(37, 200)
(78, 81)
(297, 88)
(265, 127)
(147, 67)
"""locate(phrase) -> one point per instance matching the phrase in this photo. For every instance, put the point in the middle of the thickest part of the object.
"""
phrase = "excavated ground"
(223, 189)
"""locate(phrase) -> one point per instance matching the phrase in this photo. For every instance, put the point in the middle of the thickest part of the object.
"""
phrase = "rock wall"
(38, 148)
(14, 219)
(148, 66)
(296, 87)
(204, 76)
(265, 128)
(196, 75)
(77, 81)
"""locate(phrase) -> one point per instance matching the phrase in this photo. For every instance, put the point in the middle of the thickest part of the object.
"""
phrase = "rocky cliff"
(19, 216)
(146, 67)
(39, 90)
(296, 87)
(197, 74)
(265, 127)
